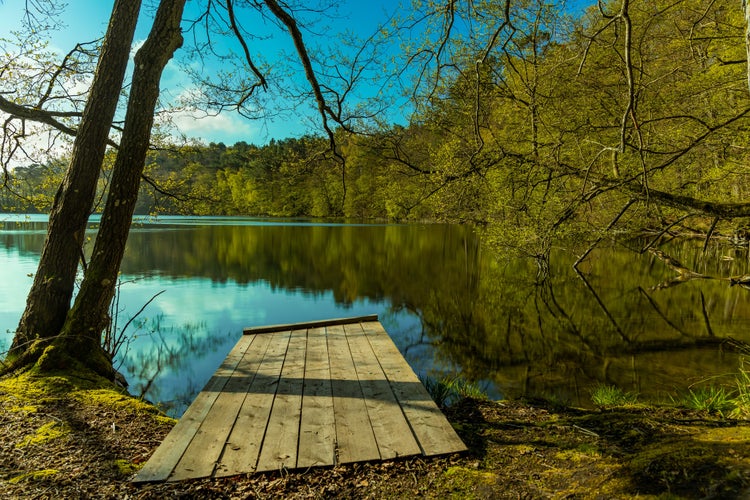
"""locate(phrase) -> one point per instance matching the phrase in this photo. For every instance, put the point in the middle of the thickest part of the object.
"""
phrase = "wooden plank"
(432, 430)
(244, 443)
(316, 439)
(392, 432)
(308, 324)
(279, 449)
(204, 451)
(355, 440)
(295, 398)
(172, 448)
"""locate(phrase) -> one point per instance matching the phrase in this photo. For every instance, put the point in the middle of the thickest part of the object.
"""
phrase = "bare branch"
(38, 115)
(323, 108)
(235, 28)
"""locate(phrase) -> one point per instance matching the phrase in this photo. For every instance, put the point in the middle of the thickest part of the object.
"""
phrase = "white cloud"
(225, 127)
(137, 44)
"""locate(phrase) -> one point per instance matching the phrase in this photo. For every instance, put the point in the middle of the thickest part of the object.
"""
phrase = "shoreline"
(76, 436)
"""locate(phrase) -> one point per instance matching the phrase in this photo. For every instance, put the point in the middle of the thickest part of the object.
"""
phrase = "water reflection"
(166, 364)
(451, 305)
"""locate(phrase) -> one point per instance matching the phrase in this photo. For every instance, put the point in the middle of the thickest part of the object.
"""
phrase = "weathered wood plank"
(282, 435)
(204, 451)
(244, 443)
(305, 397)
(355, 440)
(432, 430)
(171, 449)
(316, 440)
(309, 324)
(392, 432)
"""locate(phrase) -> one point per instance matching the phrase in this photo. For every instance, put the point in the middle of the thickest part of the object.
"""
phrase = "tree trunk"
(89, 316)
(48, 301)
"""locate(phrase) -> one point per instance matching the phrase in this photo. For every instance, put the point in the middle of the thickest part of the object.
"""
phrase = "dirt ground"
(68, 438)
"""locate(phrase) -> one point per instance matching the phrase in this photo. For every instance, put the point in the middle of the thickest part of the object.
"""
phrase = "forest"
(617, 119)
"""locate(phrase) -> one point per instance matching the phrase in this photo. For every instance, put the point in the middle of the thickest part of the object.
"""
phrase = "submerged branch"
(600, 238)
(661, 314)
(603, 307)
(706, 320)
(685, 274)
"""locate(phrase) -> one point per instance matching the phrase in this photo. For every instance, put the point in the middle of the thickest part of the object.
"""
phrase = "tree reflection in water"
(451, 304)
(170, 355)
(563, 334)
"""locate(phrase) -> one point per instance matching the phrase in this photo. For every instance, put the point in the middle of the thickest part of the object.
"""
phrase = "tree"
(48, 331)
(89, 316)
(634, 108)
(51, 292)
(665, 113)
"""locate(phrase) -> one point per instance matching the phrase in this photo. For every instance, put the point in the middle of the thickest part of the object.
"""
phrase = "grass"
(450, 389)
(609, 395)
(731, 402)
(711, 399)
(725, 401)
(742, 396)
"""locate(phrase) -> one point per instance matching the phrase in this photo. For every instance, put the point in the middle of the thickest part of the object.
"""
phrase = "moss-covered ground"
(77, 436)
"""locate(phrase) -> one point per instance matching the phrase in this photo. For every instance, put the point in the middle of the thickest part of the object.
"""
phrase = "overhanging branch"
(39, 115)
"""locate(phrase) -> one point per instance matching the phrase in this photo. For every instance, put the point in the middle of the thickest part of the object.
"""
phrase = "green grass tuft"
(448, 389)
(741, 400)
(609, 395)
(711, 399)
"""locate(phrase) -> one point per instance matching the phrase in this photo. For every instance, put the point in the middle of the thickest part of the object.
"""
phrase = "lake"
(451, 305)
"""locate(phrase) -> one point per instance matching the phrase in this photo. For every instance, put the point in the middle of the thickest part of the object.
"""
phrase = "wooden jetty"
(304, 395)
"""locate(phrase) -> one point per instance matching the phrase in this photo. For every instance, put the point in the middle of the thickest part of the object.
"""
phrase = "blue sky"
(86, 20)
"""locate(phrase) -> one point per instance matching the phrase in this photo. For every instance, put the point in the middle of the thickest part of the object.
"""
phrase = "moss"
(69, 354)
(584, 452)
(33, 387)
(125, 467)
(32, 384)
(714, 456)
(53, 359)
(24, 408)
(466, 483)
(119, 401)
(47, 432)
(22, 387)
(33, 476)
(589, 449)
(725, 435)
(523, 449)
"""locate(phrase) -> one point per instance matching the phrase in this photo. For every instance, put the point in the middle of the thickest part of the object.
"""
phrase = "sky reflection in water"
(183, 335)
(450, 305)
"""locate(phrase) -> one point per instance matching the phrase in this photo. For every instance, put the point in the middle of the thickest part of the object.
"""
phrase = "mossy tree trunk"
(746, 9)
(89, 316)
(48, 301)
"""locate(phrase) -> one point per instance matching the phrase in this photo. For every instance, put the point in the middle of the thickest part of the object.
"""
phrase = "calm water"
(450, 305)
